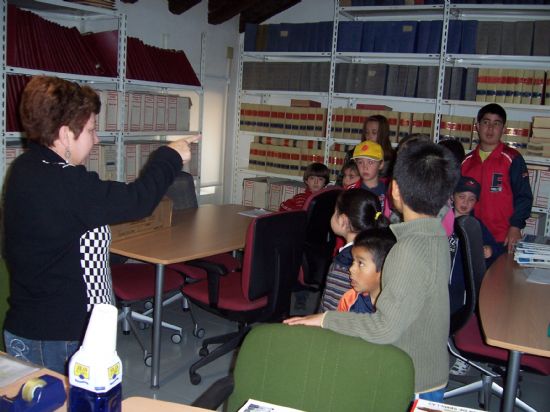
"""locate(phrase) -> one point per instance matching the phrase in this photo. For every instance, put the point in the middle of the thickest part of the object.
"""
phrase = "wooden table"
(13, 388)
(515, 315)
(139, 404)
(195, 233)
(133, 404)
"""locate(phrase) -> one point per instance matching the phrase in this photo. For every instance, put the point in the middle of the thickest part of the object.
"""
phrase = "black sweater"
(51, 212)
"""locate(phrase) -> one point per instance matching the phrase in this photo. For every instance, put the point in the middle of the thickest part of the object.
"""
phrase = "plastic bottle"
(95, 370)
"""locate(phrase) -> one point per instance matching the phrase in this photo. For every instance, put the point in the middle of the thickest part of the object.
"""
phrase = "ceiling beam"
(219, 11)
(181, 6)
(264, 10)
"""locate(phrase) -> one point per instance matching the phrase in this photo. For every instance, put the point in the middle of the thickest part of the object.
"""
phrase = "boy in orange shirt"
(369, 252)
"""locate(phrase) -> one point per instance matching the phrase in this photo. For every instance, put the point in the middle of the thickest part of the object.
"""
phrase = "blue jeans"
(52, 354)
(434, 396)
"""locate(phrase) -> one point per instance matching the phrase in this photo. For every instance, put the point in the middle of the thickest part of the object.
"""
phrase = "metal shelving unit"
(445, 12)
(74, 11)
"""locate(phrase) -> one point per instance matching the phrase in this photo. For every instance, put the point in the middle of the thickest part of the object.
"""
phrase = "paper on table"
(254, 212)
(538, 275)
(12, 370)
(424, 405)
(257, 406)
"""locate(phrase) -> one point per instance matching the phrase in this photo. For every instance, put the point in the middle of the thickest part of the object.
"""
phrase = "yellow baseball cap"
(369, 149)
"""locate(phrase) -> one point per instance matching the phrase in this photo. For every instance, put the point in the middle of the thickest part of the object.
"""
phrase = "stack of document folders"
(532, 254)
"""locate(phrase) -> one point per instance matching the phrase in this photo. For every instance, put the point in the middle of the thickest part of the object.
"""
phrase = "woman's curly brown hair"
(48, 103)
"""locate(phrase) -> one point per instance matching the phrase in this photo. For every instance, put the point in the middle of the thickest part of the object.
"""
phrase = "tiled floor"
(176, 359)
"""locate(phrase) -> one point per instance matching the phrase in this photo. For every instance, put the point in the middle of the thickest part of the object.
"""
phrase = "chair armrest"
(216, 394)
(213, 271)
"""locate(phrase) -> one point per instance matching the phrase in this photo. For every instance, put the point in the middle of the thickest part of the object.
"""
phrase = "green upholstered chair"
(4, 292)
(314, 369)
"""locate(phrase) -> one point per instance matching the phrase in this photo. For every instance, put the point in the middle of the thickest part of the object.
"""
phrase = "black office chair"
(470, 242)
(320, 239)
(466, 338)
(260, 292)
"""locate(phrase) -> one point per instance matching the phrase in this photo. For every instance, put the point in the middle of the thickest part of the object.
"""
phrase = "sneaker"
(460, 368)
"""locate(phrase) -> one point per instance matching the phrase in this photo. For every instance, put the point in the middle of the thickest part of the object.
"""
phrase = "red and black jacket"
(506, 197)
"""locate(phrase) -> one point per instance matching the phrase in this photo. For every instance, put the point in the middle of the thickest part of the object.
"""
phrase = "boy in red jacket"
(506, 198)
(316, 177)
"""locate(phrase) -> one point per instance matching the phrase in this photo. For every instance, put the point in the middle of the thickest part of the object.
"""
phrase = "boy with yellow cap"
(369, 158)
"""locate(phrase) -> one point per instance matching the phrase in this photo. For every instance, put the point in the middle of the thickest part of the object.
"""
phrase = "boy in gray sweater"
(412, 310)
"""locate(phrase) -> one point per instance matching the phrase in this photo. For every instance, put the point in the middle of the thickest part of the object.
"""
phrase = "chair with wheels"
(320, 239)
(466, 339)
(135, 282)
(260, 291)
(314, 369)
(319, 244)
(141, 277)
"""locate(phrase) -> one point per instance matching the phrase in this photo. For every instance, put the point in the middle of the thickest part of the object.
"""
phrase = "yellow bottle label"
(82, 371)
(114, 371)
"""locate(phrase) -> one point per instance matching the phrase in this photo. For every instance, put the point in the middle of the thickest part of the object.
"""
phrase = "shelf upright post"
(121, 91)
(329, 140)
(200, 92)
(237, 125)
(441, 77)
(3, 93)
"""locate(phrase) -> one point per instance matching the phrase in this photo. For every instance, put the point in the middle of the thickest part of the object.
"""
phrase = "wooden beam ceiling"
(263, 10)
(181, 6)
(219, 11)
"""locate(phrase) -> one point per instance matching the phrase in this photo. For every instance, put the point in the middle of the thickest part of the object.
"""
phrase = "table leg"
(512, 377)
(157, 323)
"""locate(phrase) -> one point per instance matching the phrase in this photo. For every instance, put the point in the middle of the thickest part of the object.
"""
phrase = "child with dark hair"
(465, 196)
(369, 252)
(456, 148)
(316, 177)
(413, 303)
(376, 129)
(350, 174)
(356, 210)
(506, 198)
(369, 158)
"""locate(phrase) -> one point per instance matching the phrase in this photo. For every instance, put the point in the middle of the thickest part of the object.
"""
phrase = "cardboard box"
(278, 192)
(542, 190)
(255, 191)
(107, 162)
(160, 112)
(532, 225)
(131, 161)
(159, 219)
(135, 112)
(108, 115)
(178, 113)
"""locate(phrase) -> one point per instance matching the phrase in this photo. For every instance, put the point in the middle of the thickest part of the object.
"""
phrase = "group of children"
(398, 284)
